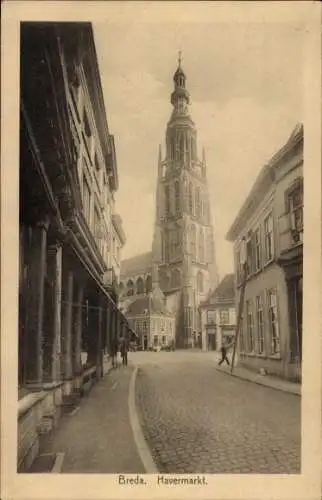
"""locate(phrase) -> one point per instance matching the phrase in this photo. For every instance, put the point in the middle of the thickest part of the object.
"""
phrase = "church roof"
(139, 263)
(225, 291)
(146, 304)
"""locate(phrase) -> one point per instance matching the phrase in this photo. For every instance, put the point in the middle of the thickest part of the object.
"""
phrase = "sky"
(246, 87)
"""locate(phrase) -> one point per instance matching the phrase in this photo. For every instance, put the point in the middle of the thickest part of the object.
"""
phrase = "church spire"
(180, 96)
(179, 59)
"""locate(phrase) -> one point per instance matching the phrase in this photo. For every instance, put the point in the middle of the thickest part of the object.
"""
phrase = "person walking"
(124, 350)
(224, 348)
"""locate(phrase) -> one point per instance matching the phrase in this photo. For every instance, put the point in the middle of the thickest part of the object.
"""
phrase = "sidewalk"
(266, 380)
(98, 437)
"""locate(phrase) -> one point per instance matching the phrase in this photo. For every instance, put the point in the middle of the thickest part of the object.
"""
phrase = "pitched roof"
(264, 180)
(224, 292)
(146, 303)
(137, 264)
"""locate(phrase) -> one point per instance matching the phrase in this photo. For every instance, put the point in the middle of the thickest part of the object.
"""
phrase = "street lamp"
(243, 263)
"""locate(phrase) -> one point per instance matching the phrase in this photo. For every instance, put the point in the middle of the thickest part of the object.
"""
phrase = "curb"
(262, 383)
(58, 463)
(141, 444)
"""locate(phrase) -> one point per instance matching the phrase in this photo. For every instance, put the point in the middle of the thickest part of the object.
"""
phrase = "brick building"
(271, 221)
(70, 234)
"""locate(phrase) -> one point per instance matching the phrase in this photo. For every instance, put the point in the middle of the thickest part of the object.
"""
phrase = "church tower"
(183, 245)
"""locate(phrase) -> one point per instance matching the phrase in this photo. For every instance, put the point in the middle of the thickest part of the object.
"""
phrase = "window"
(167, 199)
(190, 199)
(250, 326)
(211, 317)
(193, 241)
(193, 152)
(166, 246)
(260, 324)
(296, 212)
(257, 249)
(198, 202)
(232, 316)
(86, 199)
(148, 284)
(273, 322)
(155, 340)
(224, 316)
(174, 243)
(139, 286)
(130, 288)
(163, 339)
(201, 246)
(249, 254)
(181, 148)
(269, 239)
(177, 196)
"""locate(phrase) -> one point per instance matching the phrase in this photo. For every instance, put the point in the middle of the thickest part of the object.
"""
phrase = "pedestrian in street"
(124, 350)
(224, 348)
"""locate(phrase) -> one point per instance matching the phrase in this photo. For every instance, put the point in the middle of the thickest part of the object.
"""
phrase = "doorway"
(211, 341)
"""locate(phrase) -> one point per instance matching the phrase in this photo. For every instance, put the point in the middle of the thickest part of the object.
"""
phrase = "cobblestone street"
(196, 419)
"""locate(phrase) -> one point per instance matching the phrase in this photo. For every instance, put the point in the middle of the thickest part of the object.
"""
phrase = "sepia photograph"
(160, 247)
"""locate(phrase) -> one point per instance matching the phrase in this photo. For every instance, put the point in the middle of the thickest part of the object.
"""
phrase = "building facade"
(218, 315)
(152, 323)
(70, 235)
(271, 221)
(183, 251)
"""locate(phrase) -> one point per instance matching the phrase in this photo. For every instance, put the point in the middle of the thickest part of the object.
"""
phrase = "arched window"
(167, 199)
(139, 286)
(198, 202)
(177, 196)
(130, 288)
(192, 143)
(148, 284)
(166, 246)
(175, 278)
(172, 148)
(193, 240)
(185, 195)
(200, 282)
(190, 198)
(181, 147)
(201, 243)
